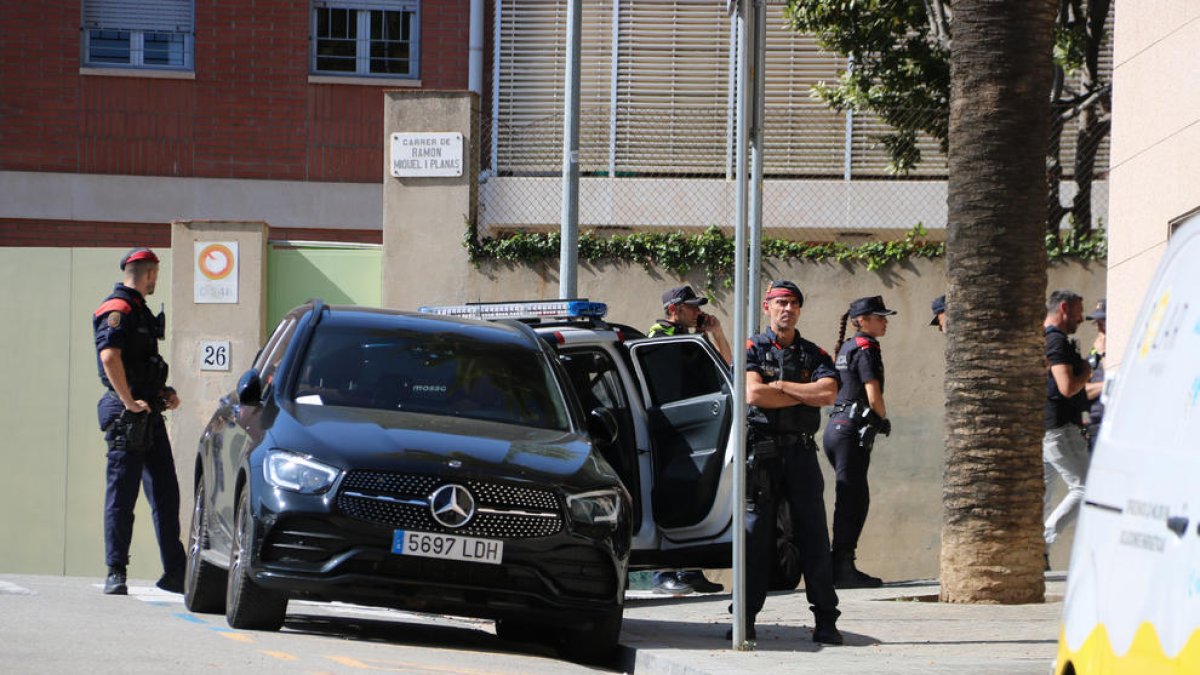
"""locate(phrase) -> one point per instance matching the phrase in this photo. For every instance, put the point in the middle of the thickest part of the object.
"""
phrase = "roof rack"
(529, 311)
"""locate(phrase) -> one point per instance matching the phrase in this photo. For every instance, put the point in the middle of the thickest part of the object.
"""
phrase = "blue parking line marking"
(188, 617)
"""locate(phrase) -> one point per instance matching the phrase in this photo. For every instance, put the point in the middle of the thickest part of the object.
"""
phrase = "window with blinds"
(138, 33)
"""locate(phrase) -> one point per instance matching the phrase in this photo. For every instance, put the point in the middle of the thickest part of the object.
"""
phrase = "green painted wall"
(52, 488)
(52, 491)
(339, 275)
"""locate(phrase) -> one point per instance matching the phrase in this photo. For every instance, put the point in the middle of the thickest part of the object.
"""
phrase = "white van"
(1133, 590)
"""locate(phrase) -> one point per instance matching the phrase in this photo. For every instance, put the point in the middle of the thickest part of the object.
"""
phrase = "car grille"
(503, 511)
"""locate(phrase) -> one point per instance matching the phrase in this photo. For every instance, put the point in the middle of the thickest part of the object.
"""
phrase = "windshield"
(435, 373)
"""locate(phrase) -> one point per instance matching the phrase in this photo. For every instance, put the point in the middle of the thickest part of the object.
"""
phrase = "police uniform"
(138, 447)
(784, 458)
(848, 441)
(666, 328)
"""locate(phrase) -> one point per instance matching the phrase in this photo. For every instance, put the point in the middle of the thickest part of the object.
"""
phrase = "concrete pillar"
(190, 323)
(424, 219)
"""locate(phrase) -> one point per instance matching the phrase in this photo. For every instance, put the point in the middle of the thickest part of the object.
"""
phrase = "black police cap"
(1100, 313)
(683, 294)
(870, 305)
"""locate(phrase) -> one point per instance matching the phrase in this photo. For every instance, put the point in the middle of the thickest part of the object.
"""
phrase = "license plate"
(447, 547)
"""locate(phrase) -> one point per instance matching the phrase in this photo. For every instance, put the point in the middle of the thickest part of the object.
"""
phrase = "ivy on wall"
(711, 250)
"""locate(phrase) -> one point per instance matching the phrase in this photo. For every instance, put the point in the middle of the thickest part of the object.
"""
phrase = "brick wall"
(83, 234)
(249, 113)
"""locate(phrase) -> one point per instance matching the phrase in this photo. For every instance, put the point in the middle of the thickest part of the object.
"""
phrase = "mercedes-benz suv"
(411, 461)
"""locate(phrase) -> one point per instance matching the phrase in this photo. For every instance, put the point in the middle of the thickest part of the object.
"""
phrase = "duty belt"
(847, 408)
(792, 439)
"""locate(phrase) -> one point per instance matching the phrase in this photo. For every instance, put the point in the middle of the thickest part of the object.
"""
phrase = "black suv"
(411, 461)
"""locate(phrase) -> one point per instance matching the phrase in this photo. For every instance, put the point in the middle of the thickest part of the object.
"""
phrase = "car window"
(434, 373)
(595, 379)
(676, 371)
(260, 360)
(272, 357)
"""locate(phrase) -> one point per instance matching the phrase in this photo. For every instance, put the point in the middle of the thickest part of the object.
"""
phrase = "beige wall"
(241, 323)
(1155, 144)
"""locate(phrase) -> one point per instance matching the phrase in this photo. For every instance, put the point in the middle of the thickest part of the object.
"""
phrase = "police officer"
(683, 313)
(130, 411)
(939, 313)
(681, 306)
(788, 379)
(856, 417)
(1095, 385)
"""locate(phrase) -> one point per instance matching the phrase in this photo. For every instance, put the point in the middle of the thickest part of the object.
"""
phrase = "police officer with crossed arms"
(130, 411)
(788, 379)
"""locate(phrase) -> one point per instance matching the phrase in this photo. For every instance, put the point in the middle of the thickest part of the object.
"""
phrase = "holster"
(762, 469)
(133, 432)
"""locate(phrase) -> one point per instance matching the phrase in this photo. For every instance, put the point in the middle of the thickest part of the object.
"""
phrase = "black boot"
(846, 575)
(114, 584)
(826, 633)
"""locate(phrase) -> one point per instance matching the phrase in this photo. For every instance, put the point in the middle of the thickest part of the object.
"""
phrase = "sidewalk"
(887, 630)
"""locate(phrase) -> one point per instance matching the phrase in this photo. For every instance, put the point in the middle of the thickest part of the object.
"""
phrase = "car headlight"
(602, 507)
(297, 473)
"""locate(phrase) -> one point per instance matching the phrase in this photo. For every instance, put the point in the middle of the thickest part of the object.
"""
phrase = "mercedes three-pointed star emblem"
(452, 505)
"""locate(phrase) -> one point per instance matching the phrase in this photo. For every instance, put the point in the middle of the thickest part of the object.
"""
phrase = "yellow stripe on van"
(1145, 655)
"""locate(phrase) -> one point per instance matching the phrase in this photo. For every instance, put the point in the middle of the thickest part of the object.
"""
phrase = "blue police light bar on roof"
(537, 309)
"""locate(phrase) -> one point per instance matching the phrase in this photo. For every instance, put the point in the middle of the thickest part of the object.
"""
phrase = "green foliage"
(1089, 246)
(900, 71)
(713, 252)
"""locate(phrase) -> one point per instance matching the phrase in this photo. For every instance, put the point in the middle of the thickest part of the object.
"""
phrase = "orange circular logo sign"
(215, 261)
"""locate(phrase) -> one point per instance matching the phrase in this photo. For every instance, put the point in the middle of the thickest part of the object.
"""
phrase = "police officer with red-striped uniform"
(856, 417)
(130, 412)
(788, 379)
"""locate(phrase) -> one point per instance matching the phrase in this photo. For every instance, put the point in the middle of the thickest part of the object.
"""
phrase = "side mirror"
(249, 388)
(602, 426)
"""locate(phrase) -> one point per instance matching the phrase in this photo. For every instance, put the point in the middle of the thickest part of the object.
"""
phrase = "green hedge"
(712, 251)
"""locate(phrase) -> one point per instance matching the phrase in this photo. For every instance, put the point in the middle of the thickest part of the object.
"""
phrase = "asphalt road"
(66, 625)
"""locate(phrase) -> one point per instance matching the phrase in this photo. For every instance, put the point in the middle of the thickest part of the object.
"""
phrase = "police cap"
(938, 306)
(1100, 313)
(870, 305)
(781, 288)
(140, 253)
(683, 294)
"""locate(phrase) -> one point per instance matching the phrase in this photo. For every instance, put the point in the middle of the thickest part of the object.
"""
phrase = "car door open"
(687, 398)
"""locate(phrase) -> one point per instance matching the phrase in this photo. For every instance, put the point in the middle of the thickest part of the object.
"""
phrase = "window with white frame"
(154, 34)
(366, 37)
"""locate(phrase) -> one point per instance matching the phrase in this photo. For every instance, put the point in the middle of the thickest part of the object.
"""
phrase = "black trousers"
(155, 470)
(800, 485)
(850, 456)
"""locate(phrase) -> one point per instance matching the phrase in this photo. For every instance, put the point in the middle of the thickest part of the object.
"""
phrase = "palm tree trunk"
(1001, 69)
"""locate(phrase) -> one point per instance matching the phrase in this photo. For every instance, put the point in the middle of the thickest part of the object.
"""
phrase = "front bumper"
(308, 547)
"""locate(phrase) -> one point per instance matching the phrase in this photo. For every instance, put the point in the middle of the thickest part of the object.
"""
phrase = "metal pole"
(848, 152)
(612, 89)
(496, 31)
(758, 105)
(567, 287)
(739, 336)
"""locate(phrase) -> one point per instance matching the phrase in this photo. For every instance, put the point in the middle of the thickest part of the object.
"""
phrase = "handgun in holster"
(762, 459)
(137, 429)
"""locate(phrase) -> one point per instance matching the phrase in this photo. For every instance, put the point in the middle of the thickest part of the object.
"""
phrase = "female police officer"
(857, 416)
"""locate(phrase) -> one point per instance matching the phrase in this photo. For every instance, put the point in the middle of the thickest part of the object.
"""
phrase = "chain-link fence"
(827, 175)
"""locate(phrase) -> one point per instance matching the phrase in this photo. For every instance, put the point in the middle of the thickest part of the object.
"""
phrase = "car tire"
(248, 605)
(596, 645)
(204, 582)
(787, 570)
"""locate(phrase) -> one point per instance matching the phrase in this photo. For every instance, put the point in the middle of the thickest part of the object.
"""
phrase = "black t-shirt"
(1061, 410)
(801, 361)
(859, 361)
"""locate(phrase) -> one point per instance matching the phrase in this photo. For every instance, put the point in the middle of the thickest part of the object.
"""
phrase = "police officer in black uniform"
(856, 417)
(788, 379)
(130, 411)
(1095, 384)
